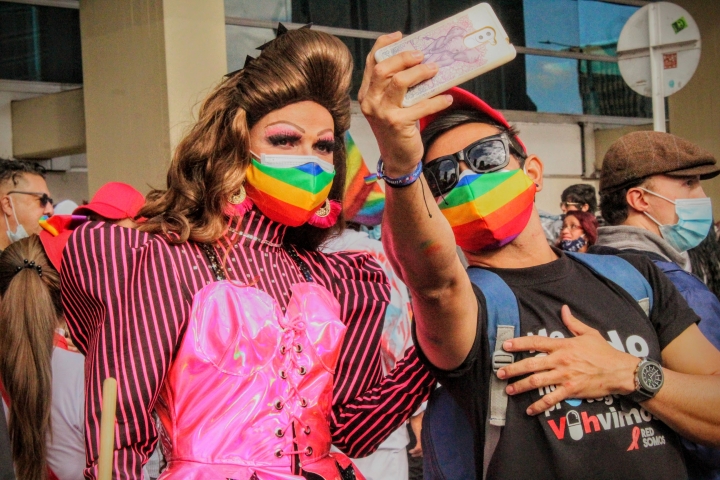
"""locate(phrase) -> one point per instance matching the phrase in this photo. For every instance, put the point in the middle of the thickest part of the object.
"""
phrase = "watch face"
(652, 376)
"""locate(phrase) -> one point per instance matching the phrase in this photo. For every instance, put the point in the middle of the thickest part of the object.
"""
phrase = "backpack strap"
(445, 429)
(622, 272)
(446, 432)
(503, 323)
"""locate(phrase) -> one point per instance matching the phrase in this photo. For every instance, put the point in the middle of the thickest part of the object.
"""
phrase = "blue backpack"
(447, 437)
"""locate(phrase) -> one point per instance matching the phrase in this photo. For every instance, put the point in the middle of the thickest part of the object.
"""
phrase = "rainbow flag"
(58, 224)
(490, 210)
(364, 199)
(288, 195)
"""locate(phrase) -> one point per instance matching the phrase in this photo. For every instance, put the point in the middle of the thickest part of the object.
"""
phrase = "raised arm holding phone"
(583, 405)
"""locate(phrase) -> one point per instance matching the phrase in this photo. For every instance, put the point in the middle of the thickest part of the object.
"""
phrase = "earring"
(327, 215)
(239, 204)
(239, 197)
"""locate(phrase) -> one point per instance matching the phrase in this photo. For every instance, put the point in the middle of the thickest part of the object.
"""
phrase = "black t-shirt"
(578, 438)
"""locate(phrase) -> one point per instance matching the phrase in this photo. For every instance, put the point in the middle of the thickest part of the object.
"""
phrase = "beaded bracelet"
(399, 182)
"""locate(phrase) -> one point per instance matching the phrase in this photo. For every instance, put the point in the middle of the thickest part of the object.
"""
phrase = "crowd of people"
(260, 323)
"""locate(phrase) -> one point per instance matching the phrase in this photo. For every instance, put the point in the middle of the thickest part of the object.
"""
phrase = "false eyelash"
(288, 137)
(327, 145)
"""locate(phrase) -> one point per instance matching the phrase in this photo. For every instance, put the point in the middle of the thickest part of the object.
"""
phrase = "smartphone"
(463, 46)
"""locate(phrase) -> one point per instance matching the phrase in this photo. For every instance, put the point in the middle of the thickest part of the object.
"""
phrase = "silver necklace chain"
(253, 237)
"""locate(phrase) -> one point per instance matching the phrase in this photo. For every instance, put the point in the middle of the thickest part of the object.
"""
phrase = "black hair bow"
(281, 30)
(248, 60)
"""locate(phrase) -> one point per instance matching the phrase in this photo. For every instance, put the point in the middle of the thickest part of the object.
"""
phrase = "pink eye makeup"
(280, 129)
(284, 139)
(282, 135)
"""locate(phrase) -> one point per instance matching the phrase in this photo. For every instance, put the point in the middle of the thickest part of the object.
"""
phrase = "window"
(40, 43)
(532, 82)
(589, 87)
(502, 88)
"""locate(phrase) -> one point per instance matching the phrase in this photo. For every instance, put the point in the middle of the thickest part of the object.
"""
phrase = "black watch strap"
(649, 379)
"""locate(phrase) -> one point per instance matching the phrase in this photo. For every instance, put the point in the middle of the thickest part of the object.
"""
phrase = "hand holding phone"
(380, 96)
(463, 46)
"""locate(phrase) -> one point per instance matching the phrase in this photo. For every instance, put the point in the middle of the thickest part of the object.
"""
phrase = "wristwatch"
(649, 379)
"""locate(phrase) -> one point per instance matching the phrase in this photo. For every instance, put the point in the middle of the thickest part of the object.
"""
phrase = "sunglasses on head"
(43, 197)
(488, 154)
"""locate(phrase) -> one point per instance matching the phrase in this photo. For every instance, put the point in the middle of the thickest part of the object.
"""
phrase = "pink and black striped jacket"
(127, 296)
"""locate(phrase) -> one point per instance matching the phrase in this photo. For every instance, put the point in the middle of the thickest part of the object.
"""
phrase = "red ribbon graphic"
(636, 437)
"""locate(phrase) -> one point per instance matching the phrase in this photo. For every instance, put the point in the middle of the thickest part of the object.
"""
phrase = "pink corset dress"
(249, 394)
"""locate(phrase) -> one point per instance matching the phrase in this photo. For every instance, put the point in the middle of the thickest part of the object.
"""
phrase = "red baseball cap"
(462, 99)
(115, 201)
(56, 231)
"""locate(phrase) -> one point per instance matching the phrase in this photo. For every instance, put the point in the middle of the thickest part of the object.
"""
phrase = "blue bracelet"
(399, 182)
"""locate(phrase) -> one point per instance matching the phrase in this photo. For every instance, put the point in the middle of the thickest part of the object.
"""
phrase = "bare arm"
(418, 240)
(586, 366)
(692, 372)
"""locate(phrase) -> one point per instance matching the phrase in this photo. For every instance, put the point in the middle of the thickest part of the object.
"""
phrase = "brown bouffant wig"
(589, 224)
(29, 313)
(210, 162)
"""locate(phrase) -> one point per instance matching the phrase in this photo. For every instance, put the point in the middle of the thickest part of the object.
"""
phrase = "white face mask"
(20, 232)
(290, 161)
(465, 173)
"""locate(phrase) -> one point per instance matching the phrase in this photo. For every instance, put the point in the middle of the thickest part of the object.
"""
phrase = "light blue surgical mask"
(19, 232)
(694, 222)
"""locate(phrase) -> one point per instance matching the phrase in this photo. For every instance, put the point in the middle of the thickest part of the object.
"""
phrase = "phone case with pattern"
(463, 46)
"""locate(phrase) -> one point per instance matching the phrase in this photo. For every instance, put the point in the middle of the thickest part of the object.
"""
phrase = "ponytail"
(29, 312)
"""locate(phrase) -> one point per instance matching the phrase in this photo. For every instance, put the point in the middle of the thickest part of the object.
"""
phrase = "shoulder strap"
(621, 272)
(446, 432)
(213, 261)
(502, 307)
(503, 323)
(304, 269)
(668, 267)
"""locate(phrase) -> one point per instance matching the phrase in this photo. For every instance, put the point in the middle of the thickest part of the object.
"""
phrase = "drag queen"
(255, 350)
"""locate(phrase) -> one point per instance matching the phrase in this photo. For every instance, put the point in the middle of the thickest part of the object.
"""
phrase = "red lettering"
(559, 431)
(587, 421)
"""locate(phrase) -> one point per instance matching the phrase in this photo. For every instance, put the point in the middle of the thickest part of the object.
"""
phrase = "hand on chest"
(617, 317)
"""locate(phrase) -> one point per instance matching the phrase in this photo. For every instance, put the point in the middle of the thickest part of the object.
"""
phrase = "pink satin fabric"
(251, 386)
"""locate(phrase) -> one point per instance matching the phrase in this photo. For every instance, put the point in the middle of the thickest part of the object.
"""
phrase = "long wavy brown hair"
(210, 162)
(29, 313)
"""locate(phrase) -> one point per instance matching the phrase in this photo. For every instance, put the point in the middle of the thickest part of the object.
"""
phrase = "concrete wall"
(70, 184)
(695, 110)
(49, 126)
(146, 65)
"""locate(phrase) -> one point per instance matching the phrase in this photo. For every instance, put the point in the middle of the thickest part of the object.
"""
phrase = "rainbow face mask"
(289, 189)
(488, 210)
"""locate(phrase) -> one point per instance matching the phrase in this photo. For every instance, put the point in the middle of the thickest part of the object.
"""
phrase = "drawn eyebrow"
(324, 131)
(302, 130)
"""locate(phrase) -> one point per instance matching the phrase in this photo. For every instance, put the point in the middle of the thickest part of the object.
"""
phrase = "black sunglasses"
(488, 154)
(43, 197)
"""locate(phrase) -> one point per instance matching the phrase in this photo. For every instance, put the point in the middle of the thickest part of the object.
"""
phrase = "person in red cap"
(114, 202)
(604, 397)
